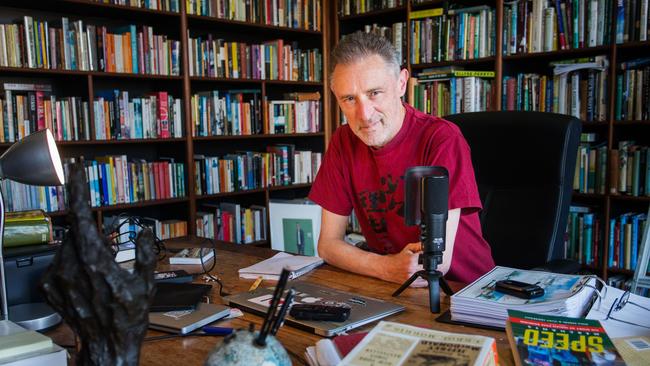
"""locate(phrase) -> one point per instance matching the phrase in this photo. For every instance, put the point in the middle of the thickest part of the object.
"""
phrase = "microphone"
(434, 206)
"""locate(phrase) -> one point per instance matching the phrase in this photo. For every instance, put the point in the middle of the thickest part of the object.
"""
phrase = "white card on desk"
(631, 318)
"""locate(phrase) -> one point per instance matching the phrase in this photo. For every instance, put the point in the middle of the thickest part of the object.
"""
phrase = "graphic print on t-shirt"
(378, 204)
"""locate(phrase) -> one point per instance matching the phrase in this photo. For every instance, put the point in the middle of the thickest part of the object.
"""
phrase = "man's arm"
(395, 268)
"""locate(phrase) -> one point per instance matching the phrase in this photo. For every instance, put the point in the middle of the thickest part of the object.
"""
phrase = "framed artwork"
(295, 226)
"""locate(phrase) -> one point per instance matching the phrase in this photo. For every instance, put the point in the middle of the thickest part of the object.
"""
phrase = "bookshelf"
(609, 203)
(177, 25)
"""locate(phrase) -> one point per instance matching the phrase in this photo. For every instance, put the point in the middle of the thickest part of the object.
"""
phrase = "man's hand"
(400, 266)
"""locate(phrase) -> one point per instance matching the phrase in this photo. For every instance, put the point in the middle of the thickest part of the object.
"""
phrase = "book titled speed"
(537, 339)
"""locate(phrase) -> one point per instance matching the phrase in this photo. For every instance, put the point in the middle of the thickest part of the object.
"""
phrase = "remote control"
(178, 276)
(337, 312)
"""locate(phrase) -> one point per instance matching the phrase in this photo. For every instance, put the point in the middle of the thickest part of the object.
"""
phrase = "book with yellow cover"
(537, 339)
(27, 228)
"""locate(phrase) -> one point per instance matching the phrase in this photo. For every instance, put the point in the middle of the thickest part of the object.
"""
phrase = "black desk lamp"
(33, 160)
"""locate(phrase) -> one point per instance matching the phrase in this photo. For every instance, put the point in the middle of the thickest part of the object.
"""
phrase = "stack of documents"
(564, 295)
(269, 269)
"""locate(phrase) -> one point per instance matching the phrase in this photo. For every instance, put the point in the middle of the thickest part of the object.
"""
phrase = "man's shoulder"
(432, 125)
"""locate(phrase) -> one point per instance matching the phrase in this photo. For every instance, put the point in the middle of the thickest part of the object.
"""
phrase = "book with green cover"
(27, 228)
(537, 339)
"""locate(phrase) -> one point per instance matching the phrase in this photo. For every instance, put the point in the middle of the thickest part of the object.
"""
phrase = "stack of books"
(564, 295)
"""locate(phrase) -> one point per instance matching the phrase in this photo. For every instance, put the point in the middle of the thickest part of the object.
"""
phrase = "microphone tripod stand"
(425, 203)
(430, 274)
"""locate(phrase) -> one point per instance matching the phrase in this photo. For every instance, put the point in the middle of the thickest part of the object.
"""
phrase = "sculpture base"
(34, 316)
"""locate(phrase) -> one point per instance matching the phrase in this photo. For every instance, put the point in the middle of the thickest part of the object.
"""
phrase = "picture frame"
(295, 226)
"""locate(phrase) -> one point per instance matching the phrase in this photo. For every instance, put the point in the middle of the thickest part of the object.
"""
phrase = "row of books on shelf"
(119, 116)
(271, 60)
(303, 14)
(632, 21)
(542, 26)
(115, 180)
(455, 34)
(628, 168)
(111, 180)
(239, 112)
(578, 87)
(280, 165)
(230, 222)
(633, 92)
(441, 92)
(586, 238)
(353, 7)
(624, 282)
(164, 5)
(67, 45)
(27, 108)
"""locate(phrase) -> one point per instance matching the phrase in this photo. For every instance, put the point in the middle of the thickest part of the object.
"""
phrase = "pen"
(216, 330)
(283, 312)
(277, 294)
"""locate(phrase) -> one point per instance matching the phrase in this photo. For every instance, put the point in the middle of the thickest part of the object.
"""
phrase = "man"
(300, 239)
(364, 168)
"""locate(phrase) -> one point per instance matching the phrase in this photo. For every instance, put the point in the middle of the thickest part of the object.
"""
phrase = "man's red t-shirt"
(371, 181)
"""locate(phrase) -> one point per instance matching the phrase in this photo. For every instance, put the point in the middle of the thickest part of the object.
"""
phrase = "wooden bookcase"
(177, 25)
(611, 131)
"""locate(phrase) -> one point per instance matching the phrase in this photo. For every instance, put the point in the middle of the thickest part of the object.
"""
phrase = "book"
(537, 339)
(410, 345)
(270, 269)
(27, 228)
(330, 351)
(185, 321)
(16, 340)
(192, 256)
(479, 303)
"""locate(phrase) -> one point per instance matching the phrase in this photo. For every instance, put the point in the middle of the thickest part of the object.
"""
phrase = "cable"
(113, 232)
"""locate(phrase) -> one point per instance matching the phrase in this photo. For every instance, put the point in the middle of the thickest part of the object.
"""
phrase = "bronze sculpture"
(105, 305)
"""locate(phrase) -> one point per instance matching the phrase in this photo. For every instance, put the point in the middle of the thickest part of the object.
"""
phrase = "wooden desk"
(191, 351)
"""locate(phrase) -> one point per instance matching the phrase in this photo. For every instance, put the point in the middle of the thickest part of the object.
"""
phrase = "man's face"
(369, 92)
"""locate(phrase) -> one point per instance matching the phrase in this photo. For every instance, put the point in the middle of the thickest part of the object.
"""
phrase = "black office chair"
(524, 164)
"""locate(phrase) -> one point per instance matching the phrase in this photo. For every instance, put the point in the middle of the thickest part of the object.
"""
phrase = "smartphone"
(519, 289)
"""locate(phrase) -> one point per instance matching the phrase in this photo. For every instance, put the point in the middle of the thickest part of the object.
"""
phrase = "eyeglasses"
(618, 305)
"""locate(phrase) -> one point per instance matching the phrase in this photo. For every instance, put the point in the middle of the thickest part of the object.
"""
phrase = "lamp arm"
(3, 280)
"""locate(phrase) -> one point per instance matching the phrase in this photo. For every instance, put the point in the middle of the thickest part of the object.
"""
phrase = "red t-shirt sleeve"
(452, 152)
(332, 187)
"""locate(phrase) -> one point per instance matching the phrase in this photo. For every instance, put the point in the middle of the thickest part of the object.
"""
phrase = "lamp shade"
(33, 160)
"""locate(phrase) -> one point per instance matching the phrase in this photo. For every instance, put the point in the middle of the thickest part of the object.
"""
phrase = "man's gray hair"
(355, 46)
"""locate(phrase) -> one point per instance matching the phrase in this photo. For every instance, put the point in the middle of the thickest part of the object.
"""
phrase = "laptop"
(364, 309)
(185, 321)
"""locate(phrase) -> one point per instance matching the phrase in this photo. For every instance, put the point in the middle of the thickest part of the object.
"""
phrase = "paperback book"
(411, 345)
(537, 339)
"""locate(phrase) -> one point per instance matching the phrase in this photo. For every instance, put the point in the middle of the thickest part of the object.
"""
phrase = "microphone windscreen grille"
(435, 194)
